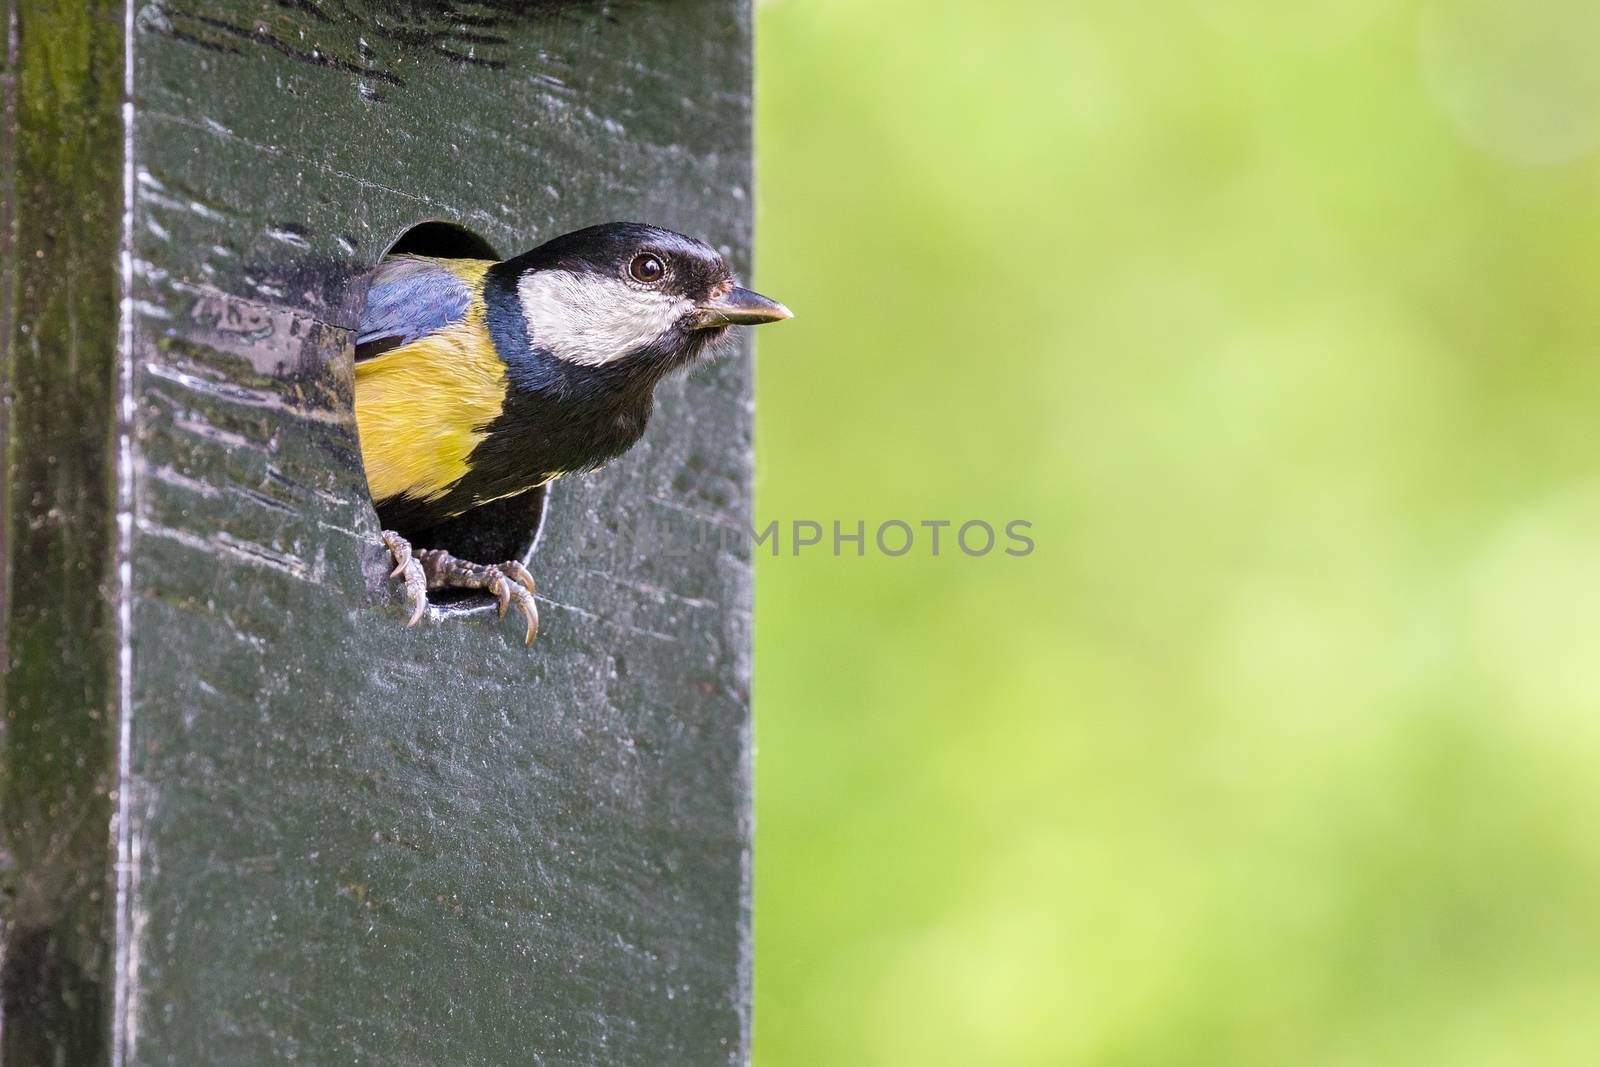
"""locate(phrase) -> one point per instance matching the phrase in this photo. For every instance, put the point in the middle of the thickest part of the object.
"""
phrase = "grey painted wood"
(336, 840)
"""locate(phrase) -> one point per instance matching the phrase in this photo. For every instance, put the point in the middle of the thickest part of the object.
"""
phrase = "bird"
(478, 380)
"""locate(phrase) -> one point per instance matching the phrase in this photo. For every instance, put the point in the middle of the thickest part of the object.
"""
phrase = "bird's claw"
(416, 581)
(508, 586)
(523, 592)
(519, 574)
(437, 569)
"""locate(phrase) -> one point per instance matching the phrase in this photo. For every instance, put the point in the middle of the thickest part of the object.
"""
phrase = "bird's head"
(624, 293)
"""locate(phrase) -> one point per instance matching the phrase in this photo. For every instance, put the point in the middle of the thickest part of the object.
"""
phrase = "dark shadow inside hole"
(505, 529)
(442, 240)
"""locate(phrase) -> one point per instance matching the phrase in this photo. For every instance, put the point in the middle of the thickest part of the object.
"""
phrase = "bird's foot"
(506, 582)
(435, 568)
(416, 579)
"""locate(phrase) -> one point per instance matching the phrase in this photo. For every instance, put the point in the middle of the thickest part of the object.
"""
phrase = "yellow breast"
(423, 407)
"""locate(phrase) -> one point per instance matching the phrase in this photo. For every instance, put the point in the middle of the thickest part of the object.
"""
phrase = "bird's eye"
(647, 267)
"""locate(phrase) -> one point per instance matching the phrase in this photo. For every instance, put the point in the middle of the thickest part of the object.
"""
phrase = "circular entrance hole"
(442, 240)
(505, 529)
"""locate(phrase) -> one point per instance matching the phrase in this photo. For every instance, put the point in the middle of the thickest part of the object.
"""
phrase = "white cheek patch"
(590, 319)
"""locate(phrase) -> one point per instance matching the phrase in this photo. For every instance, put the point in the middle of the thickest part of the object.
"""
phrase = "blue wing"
(410, 297)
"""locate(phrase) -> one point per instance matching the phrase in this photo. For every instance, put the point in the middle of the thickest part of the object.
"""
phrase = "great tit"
(477, 381)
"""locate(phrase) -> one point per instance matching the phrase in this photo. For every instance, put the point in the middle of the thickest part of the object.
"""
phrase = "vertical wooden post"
(247, 817)
(58, 512)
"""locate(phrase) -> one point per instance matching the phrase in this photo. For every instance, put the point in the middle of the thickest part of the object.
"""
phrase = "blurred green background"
(1278, 321)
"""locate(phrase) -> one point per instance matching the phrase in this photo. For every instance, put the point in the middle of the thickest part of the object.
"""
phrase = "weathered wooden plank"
(344, 841)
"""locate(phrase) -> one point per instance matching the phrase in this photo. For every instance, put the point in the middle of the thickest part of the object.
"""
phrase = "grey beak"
(739, 307)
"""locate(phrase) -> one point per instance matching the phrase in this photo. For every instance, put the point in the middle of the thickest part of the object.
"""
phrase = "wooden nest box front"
(245, 815)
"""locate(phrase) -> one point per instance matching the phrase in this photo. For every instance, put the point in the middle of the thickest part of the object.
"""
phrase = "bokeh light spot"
(1520, 79)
